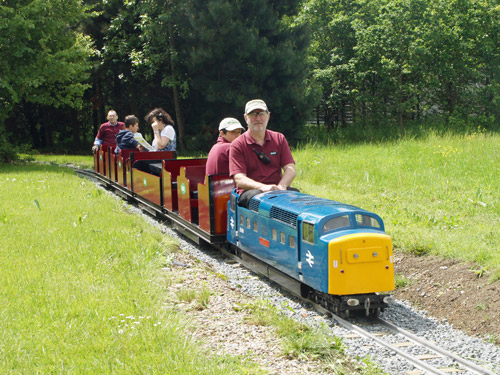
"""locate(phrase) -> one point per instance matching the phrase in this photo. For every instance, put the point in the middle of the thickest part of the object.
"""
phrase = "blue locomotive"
(339, 254)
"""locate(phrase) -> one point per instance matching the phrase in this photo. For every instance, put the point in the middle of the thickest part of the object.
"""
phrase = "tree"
(205, 59)
(159, 58)
(43, 57)
(231, 52)
(387, 61)
(463, 38)
(391, 49)
(331, 53)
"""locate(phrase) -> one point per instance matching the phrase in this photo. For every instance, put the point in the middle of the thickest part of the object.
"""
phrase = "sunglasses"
(254, 115)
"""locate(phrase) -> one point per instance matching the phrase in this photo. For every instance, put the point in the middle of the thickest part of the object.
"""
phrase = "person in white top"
(163, 130)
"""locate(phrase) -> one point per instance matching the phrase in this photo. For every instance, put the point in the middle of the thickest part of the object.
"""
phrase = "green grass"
(200, 295)
(439, 195)
(401, 281)
(83, 161)
(305, 343)
(82, 288)
(68, 276)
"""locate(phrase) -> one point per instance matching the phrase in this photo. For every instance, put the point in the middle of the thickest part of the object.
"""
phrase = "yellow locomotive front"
(360, 263)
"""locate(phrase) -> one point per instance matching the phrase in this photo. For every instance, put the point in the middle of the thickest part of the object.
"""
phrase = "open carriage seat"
(103, 160)
(187, 191)
(170, 172)
(213, 195)
(126, 158)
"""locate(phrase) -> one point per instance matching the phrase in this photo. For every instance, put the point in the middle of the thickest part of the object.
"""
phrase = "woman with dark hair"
(163, 130)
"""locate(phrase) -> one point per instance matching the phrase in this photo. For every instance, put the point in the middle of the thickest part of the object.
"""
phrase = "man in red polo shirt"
(108, 131)
(218, 158)
(258, 157)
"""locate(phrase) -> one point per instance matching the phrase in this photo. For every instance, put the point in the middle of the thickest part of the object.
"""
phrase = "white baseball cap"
(230, 123)
(255, 104)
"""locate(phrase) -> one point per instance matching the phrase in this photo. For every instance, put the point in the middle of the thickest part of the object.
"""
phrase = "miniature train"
(335, 254)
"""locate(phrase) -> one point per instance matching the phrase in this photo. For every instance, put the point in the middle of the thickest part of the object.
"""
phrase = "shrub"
(8, 152)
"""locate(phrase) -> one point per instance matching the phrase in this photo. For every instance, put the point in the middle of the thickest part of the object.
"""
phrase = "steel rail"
(425, 343)
(418, 363)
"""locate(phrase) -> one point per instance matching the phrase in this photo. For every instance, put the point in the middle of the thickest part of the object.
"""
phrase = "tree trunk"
(400, 103)
(451, 98)
(177, 100)
(28, 109)
(75, 132)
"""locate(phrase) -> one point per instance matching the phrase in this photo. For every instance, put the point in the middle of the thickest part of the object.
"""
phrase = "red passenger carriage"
(178, 188)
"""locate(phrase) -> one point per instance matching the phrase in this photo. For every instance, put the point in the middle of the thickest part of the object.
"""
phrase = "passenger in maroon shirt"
(260, 160)
(108, 131)
(218, 158)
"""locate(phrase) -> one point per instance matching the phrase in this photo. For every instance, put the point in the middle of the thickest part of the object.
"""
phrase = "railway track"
(422, 356)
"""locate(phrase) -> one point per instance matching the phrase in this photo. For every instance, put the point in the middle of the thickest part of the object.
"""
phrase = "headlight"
(352, 302)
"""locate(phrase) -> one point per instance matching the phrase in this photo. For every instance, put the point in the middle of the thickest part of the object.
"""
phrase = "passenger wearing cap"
(218, 158)
(260, 160)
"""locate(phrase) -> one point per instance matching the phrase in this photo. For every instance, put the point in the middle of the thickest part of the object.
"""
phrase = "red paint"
(263, 242)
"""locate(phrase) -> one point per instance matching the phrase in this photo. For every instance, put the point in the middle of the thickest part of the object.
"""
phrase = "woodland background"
(330, 70)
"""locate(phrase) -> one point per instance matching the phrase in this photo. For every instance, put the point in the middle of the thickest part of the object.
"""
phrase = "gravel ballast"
(401, 314)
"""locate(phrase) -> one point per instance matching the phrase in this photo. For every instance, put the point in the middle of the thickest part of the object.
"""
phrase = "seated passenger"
(218, 158)
(125, 138)
(260, 160)
(163, 130)
(108, 131)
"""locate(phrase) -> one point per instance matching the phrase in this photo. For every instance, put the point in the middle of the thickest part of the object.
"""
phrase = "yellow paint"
(363, 258)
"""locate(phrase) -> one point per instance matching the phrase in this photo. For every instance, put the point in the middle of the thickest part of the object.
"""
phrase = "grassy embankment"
(439, 195)
(82, 286)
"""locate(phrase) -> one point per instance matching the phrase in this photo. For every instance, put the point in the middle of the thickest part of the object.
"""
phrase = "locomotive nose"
(361, 263)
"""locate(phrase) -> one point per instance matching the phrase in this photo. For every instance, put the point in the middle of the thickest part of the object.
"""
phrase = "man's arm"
(288, 176)
(97, 140)
(246, 183)
(97, 143)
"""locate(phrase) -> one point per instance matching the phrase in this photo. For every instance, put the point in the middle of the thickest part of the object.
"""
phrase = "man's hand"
(95, 148)
(266, 188)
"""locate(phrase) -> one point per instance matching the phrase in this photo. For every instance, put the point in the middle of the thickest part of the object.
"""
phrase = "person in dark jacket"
(125, 138)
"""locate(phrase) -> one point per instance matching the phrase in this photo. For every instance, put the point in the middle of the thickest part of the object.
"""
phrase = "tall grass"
(438, 195)
(362, 131)
(81, 290)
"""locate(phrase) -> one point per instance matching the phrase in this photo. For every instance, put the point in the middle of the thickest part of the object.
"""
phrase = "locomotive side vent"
(283, 216)
(309, 201)
(254, 205)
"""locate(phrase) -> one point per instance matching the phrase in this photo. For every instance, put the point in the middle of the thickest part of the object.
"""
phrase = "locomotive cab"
(352, 251)
(347, 257)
